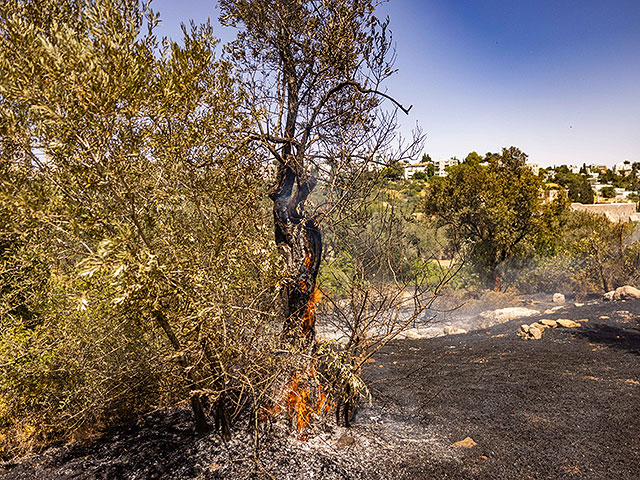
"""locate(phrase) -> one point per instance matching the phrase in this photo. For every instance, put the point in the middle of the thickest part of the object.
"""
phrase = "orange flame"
(309, 317)
(300, 404)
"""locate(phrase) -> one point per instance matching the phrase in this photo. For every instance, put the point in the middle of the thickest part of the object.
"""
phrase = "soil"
(565, 406)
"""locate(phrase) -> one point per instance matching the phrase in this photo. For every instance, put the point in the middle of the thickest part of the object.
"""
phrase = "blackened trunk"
(300, 242)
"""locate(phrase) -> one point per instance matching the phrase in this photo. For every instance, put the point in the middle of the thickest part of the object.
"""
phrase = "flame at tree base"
(301, 404)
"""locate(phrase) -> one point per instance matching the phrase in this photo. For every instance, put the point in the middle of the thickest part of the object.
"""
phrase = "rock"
(607, 297)
(553, 310)
(345, 441)
(466, 443)
(531, 332)
(549, 323)
(413, 334)
(626, 293)
(558, 298)
(579, 305)
(539, 326)
(506, 314)
(451, 330)
(566, 323)
(535, 333)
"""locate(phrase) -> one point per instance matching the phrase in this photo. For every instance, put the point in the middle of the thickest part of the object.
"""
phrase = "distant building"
(442, 164)
(411, 168)
(623, 168)
(535, 168)
(574, 169)
(594, 167)
(378, 160)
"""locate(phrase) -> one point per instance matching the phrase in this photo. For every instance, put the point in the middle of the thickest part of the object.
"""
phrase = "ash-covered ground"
(564, 406)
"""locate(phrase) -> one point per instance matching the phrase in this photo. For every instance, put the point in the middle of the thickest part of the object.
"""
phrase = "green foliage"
(488, 210)
(127, 195)
(608, 192)
(589, 253)
(578, 187)
(393, 172)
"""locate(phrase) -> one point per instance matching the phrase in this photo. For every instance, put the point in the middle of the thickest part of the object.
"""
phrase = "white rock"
(626, 293)
(506, 314)
(609, 295)
(452, 330)
(558, 298)
(413, 334)
(553, 310)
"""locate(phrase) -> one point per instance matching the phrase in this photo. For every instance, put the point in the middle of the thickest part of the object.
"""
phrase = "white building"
(442, 164)
(622, 168)
(411, 168)
(535, 168)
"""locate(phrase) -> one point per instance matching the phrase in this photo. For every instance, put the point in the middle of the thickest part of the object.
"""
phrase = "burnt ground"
(566, 406)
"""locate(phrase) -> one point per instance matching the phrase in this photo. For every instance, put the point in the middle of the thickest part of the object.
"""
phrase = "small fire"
(309, 317)
(300, 403)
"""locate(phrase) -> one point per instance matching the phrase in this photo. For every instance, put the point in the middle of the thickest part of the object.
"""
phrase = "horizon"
(555, 79)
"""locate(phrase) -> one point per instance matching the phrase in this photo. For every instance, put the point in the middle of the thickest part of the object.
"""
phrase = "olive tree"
(136, 260)
(314, 73)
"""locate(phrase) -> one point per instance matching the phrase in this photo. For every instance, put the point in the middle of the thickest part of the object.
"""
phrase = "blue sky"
(558, 79)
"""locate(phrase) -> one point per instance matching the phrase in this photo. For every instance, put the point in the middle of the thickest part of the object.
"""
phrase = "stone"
(506, 314)
(452, 330)
(535, 333)
(551, 311)
(566, 323)
(558, 298)
(531, 332)
(466, 443)
(549, 323)
(413, 334)
(539, 326)
(607, 297)
(579, 305)
(626, 293)
(345, 441)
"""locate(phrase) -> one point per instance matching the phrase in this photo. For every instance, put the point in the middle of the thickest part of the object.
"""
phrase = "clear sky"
(560, 79)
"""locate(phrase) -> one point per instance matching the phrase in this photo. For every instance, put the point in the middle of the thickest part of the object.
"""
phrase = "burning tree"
(313, 72)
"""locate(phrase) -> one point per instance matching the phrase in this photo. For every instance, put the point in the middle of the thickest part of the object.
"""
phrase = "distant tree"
(492, 209)
(394, 172)
(578, 187)
(473, 157)
(419, 176)
(608, 192)
(426, 158)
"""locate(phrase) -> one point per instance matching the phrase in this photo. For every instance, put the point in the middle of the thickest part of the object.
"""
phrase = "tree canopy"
(487, 209)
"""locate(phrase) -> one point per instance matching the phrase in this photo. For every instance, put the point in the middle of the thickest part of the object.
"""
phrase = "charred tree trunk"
(344, 409)
(300, 242)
